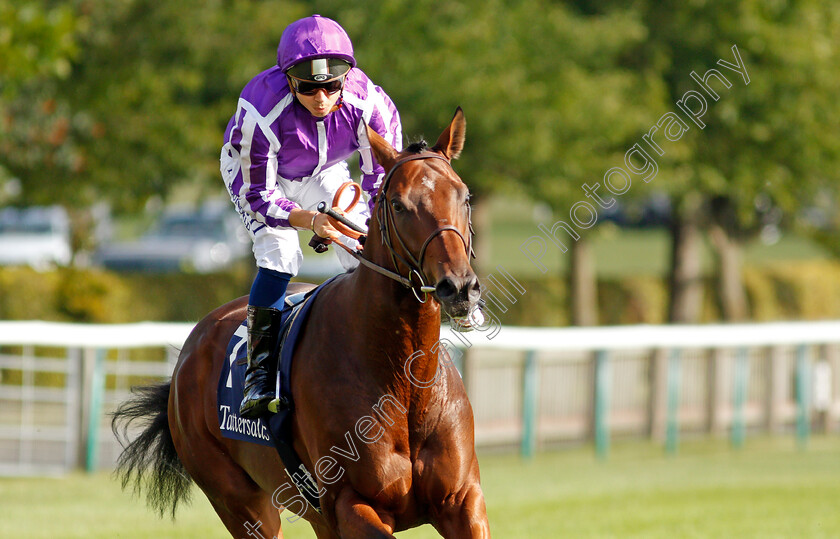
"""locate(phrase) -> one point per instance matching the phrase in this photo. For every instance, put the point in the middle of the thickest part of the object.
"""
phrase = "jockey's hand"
(322, 227)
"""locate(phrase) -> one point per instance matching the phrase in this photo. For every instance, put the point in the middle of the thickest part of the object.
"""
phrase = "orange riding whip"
(336, 215)
(338, 220)
(352, 230)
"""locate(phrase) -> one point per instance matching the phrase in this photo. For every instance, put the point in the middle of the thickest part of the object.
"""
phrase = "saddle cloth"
(269, 429)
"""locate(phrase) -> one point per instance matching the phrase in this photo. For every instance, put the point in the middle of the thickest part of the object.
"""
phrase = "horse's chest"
(384, 476)
(397, 479)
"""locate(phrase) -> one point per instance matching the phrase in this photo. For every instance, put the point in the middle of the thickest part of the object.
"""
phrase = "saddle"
(272, 429)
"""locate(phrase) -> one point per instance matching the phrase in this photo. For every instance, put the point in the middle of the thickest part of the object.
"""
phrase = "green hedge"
(799, 290)
(98, 296)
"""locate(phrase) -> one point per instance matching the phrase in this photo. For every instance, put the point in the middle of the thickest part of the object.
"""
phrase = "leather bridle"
(416, 279)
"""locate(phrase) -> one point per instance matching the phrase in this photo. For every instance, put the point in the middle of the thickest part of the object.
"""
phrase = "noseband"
(416, 279)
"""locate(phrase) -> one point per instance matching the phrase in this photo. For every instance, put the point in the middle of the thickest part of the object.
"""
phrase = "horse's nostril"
(446, 289)
(458, 289)
(474, 290)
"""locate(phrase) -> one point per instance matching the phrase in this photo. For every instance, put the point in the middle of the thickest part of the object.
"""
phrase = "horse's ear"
(451, 141)
(384, 153)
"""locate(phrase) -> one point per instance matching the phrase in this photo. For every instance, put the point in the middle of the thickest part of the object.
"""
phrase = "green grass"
(618, 252)
(768, 489)
(627, 252)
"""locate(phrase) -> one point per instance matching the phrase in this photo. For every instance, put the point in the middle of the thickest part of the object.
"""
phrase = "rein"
(387, 226)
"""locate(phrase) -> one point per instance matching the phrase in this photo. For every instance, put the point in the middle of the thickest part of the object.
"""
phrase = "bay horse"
(381, 416)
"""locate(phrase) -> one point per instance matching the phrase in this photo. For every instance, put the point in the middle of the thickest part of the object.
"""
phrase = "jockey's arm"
(303, 219)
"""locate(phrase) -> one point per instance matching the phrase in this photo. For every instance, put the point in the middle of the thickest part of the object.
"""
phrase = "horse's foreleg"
(357, 519)
(464, 516)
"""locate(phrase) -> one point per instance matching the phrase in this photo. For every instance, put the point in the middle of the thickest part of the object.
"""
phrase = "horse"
(381, 416)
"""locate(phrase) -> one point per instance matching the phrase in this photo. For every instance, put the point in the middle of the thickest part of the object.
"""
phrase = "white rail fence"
(530, 388)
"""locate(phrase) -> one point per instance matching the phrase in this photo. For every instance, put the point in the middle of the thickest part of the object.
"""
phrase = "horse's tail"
(150, 460)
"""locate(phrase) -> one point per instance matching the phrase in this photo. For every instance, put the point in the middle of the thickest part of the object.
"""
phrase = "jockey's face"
(320, 104)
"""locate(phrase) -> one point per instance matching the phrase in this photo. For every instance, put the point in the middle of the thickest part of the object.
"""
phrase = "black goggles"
(310, 88)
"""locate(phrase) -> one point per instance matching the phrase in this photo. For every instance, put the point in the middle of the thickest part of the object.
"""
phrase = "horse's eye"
(398, 206)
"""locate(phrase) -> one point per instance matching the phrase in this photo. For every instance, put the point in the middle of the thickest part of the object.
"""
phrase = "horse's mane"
(417, 147)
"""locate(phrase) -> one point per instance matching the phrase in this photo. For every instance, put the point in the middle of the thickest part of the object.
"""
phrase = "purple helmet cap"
(313, 37)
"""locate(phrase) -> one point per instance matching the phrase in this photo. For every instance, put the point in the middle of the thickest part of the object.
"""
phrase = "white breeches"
(279, 249)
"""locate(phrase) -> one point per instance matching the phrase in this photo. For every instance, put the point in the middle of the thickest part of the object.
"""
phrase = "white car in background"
(36, 236)
(205, 240)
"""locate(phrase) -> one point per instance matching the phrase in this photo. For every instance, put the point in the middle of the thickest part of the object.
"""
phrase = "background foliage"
(800, 290)
(119, 102)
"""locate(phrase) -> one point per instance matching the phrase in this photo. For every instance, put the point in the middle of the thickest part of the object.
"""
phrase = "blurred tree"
(36, 41)
(142, 102)
(769, 133)
(122, 101)
(547, 107)
(149, 93)
(576, 115)
(37, 44)
(134, 101)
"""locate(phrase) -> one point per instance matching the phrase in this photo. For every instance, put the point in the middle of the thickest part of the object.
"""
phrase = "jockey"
(284, 152)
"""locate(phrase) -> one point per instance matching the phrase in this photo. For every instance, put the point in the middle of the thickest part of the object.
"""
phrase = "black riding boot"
(263, 332)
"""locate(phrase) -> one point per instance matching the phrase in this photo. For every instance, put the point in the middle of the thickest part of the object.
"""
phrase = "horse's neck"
(401, 332)
(388, 304)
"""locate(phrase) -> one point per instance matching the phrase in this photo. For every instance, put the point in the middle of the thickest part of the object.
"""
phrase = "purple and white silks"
(272, 139)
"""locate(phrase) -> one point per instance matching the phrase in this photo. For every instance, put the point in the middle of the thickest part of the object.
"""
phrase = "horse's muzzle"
(457, 294)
